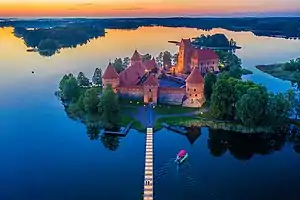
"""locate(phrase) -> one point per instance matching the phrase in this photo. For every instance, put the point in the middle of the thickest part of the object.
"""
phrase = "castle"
(139, 81)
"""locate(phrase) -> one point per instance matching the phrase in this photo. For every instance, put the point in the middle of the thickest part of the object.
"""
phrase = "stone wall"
(172, 96)
(133, 92)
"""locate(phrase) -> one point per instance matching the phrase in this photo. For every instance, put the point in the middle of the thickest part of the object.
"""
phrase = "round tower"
(194, 89)
(110, 77)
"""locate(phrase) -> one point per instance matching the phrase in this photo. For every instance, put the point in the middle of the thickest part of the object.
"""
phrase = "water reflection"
(110, 142)
(245, 146)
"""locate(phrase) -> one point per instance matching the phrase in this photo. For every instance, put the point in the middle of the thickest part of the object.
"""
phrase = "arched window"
(194, 90)
(195, 95)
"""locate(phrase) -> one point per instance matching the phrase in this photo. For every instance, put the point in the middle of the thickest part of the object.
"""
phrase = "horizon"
(147, 8)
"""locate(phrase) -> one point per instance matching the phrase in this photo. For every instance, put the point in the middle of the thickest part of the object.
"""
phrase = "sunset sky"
(144, 8)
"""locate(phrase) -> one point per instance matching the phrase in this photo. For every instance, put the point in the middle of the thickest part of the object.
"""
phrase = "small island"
(48, 41)
(289, 71)
(202, 89)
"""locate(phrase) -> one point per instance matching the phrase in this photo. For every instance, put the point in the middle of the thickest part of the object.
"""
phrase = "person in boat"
(181, 156)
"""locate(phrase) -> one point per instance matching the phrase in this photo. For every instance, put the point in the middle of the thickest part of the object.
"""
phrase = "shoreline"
(276, 71)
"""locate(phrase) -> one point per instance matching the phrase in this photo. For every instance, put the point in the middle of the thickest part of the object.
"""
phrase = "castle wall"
(131, 92)
(172, 96)
(113, 82)
(206, 65)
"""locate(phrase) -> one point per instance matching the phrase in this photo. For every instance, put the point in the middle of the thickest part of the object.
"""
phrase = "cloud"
(81, 5)
(129, 8)
(85, 4)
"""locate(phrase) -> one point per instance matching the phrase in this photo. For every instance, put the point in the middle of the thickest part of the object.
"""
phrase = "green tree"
(175, 58)
(91, 100)
(118, 65)
(277, 110)
(250, 108)
(92, 131)
(97, 77)
(146, 57)
(82, 80)
(159, 58)
(47, 44)
(209, 81)
(126, 61)
(77, 109)
(111, 142)
(167, 59)
(64, 80)
(109, 108)
(70, 89)
(222, 99)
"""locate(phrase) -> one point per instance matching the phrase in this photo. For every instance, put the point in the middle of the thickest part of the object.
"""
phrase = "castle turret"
(184, 56)
(110, 77)
(136, 58)
(151, 89)
(194, 89)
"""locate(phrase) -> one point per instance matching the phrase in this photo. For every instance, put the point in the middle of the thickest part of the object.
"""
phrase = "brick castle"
(139, 81)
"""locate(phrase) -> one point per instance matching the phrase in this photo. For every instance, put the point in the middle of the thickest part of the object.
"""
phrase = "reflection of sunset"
(141, 8)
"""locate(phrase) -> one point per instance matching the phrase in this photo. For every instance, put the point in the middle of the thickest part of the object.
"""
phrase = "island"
(289, 71)
(48, 41)
(202, 88)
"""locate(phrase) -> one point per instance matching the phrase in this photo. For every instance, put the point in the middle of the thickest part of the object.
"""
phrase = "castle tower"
(194, 89)
(151, 89)
(136, 58)
(184, 56)
(110, 77)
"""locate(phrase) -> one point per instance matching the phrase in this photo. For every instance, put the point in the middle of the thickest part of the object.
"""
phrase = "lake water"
(45, 155)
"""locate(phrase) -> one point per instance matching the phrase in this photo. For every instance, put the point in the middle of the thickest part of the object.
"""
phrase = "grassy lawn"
(171, 121)
(167, 109)
(136, 124)
(206, 115)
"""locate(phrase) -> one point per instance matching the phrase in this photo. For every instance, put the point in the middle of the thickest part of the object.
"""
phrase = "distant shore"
(276, 70)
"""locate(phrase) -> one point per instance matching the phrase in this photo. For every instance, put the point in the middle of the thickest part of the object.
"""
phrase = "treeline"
(292, 65)
(249, 103)
(85, 103)
(50, 40)
(216, 40)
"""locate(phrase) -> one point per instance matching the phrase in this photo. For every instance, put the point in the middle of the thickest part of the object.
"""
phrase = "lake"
(45, 155)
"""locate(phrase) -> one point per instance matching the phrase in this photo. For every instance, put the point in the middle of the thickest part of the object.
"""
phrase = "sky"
(147, 8)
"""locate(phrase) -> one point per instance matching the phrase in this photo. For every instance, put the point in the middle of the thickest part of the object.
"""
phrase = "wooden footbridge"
(148, 180)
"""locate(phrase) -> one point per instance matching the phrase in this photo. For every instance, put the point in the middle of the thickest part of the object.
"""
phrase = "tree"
(109, 108)
(91, 101)
(70, 89)
(47, 44)
(92, 131)
(118, 65)
(209, 81)
(222, 99)
(111, 142)
(278, 109)
(250, 108)
(64, 80)
(167, 59)
(97, 77)
(126, 61)
(82, 80)
(175, 58)
(146, 57)
(159, 58)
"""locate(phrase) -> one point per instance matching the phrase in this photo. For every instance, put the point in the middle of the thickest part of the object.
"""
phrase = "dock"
(177, 129)
(122, 132)
(148, 178)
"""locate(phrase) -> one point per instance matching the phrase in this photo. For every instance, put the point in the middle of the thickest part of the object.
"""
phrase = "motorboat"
(181, 156)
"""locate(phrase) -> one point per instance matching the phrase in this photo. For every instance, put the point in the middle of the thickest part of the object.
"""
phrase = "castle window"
(194, 90)
(207, 63)
(213, 62)
(190, 95)
(188, 89)
(195, 95)
(149, 90)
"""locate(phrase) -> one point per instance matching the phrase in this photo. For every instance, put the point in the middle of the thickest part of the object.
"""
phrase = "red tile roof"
(132, 74)
(151, 81)
(150, 64)
(136, 56)
(110, 72)
(195, 77)
(204, 54)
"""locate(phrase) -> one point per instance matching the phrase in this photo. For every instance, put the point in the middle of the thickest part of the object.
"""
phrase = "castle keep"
(139, 81)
